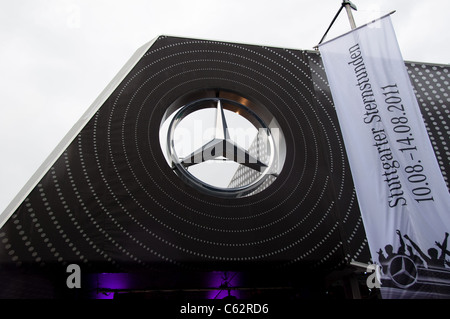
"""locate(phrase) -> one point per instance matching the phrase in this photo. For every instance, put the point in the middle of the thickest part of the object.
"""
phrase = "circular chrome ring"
(221, 145)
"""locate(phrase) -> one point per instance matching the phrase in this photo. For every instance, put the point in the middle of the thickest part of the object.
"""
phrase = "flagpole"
(349, 6)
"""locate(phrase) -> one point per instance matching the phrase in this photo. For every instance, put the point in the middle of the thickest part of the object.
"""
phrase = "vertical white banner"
(403, 198)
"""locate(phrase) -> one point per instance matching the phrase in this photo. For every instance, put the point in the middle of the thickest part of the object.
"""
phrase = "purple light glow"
(110, 281)
(224, 279)
(124, 281)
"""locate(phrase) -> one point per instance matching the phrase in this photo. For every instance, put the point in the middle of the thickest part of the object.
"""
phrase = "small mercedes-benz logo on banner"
(403, 271)
(253, 148)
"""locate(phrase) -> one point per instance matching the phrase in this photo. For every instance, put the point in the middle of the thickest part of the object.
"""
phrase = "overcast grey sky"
(58, 55)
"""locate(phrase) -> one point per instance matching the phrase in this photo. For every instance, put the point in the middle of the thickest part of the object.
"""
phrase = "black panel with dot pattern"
(111, 203)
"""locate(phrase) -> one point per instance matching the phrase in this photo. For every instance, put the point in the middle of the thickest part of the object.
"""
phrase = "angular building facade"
(108, 202)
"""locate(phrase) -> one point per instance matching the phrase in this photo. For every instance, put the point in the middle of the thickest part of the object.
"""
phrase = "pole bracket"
(345, 4)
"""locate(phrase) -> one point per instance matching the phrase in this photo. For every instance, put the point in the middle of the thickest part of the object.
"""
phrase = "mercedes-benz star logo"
(223, 148)
(403, 271)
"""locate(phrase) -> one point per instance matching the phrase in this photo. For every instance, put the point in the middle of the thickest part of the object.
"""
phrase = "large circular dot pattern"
(111, 202)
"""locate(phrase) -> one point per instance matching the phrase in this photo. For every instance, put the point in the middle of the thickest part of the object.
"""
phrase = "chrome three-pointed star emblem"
(224, 148)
